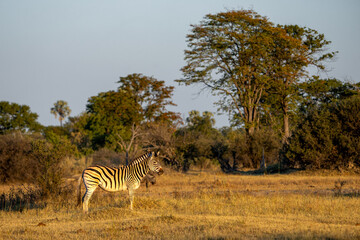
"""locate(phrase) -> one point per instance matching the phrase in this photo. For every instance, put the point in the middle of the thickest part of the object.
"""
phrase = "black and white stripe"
(117, 179)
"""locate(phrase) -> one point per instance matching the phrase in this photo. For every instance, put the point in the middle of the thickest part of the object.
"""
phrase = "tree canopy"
(15, 117)
(138, 100)
(151, 95)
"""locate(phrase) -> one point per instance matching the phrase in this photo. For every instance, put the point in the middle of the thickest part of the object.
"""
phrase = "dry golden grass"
(204, 206)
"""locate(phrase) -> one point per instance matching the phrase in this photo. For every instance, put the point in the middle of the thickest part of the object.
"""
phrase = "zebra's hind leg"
(131, 195)
(86, 198)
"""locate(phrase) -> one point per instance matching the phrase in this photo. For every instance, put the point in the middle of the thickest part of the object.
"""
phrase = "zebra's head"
(154, 164)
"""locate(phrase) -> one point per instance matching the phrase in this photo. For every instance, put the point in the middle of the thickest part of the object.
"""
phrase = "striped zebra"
(117, 179)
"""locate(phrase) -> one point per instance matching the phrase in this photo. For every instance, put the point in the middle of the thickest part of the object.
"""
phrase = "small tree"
(160, 136)
(61, 109)
(139, 101)
(15, 117)
(49, 154)
(128, 145)
(194, 140)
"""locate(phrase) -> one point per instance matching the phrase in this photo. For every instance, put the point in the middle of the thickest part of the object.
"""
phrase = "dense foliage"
(327, 136)
(17, 117)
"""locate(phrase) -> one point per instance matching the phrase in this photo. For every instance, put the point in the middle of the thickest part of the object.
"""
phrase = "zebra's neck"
(140, 169)
(141, 158)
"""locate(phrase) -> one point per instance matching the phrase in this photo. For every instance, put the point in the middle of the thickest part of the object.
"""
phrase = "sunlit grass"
(204, 206)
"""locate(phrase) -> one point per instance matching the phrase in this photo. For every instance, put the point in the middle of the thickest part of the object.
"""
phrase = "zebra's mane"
(141, 158)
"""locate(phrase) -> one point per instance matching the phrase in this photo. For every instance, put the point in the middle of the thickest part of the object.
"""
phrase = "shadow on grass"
(22, 198)
(18, 199)
(271, 169)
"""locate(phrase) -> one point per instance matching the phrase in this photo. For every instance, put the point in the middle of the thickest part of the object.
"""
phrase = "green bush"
(35, 159)
(16, 162)
(327, 137)
(50, 154)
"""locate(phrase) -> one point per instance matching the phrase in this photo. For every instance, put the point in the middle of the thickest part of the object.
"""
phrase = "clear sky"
(74, 49)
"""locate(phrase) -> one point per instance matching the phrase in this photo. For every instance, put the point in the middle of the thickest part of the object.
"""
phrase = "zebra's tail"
(79, 191)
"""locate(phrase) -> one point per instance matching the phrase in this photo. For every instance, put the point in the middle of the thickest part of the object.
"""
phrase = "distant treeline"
(325, 134)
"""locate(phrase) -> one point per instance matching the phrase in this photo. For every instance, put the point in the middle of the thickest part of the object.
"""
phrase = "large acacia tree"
(240, 55)
(228, 53)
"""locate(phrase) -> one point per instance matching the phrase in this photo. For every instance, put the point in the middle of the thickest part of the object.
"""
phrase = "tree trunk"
(127, 157)
(250, 131)
(286, 128)
(250, 120)
(286, 122)
(236, 161)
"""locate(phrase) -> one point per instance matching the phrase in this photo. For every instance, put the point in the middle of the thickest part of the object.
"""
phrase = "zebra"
(116, 179)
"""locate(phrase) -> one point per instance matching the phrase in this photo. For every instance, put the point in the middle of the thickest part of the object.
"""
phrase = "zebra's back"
(108, 178)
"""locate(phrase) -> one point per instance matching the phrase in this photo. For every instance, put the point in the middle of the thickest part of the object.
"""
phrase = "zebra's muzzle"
(161, 171)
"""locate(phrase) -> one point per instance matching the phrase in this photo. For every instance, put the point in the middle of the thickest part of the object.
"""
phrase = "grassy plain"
(204, 205)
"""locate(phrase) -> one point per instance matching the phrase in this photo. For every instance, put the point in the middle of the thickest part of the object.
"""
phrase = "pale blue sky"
(73, 49)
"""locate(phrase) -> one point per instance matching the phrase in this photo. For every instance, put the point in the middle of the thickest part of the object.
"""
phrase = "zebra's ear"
(157, 153)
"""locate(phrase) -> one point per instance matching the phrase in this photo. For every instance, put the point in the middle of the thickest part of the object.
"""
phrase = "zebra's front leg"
(131, 195)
